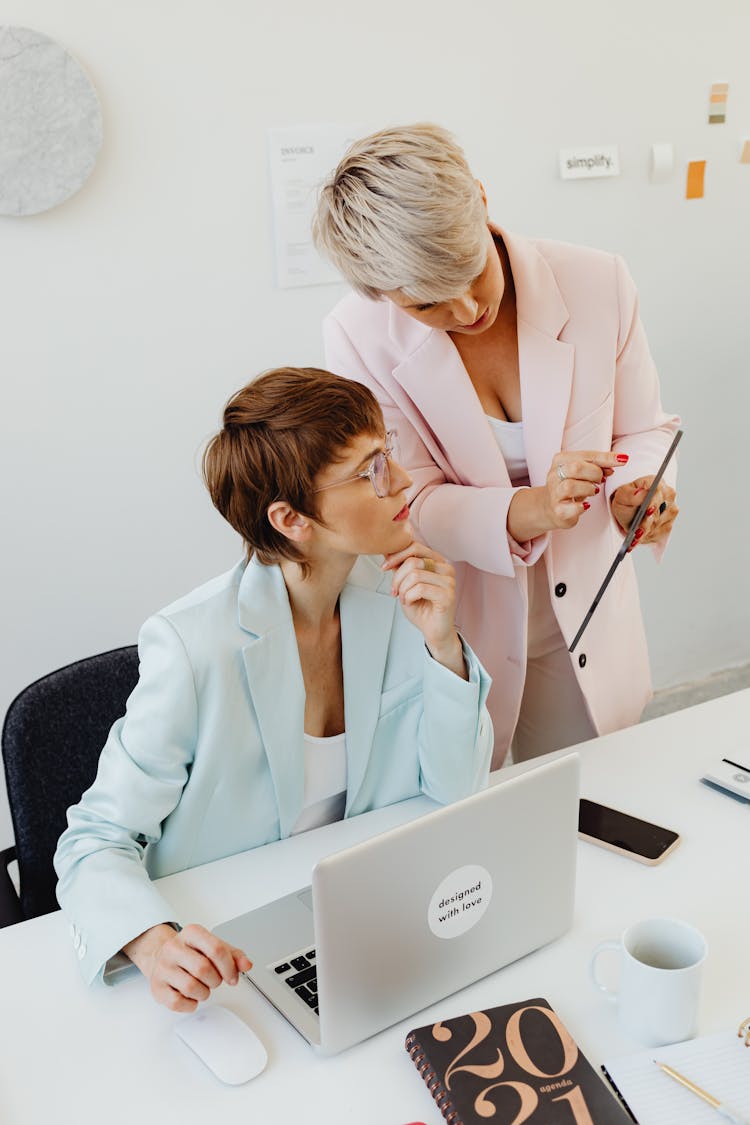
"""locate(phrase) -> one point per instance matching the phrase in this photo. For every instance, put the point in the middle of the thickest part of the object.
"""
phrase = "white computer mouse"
(224, 1042)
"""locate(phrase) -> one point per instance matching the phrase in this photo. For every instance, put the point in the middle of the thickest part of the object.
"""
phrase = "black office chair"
(52, 737)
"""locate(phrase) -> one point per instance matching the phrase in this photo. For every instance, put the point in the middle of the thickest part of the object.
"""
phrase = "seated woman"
(305, 685)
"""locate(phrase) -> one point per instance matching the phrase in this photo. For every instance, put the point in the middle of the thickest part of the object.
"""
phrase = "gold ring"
(428, 564)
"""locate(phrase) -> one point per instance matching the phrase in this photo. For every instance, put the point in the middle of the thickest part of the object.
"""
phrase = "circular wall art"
(50, 123)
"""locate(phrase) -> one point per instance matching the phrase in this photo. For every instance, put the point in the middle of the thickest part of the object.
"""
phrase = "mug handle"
(610, 993)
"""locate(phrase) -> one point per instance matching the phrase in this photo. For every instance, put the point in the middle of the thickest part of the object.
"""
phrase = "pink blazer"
(587, 382)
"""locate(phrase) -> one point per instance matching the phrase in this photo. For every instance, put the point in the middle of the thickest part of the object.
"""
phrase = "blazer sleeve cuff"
(104, 960)
(528, 553)
(117, 969)
(458, 729)
(120, 967)
(443, 679)
(470, 524)
(100, 932)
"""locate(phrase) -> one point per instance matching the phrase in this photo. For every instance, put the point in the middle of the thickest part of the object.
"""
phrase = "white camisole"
(325, 782)
(509, 437)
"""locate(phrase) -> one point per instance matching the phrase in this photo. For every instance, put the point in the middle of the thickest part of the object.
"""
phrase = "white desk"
(79, 1055)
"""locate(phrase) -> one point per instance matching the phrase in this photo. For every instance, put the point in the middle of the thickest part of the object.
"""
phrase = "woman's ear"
(289, 522)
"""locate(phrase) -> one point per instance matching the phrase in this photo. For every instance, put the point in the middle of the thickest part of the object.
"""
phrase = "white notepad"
(719, 1064)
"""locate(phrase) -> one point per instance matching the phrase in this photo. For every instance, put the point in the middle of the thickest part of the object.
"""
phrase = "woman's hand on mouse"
(425, 585)
(661, 513)
(183, 967)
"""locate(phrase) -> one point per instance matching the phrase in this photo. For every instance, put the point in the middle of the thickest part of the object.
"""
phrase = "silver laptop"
(399, 921)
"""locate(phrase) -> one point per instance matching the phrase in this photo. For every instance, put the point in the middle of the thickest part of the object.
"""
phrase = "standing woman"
(519, 377)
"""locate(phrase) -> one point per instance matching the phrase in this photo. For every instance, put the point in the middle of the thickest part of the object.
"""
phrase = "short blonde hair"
(403, 211)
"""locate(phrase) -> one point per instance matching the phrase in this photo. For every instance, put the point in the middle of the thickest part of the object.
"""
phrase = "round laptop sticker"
(460, 901)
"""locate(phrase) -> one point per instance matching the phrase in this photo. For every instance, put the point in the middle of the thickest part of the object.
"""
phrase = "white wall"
(132, 311)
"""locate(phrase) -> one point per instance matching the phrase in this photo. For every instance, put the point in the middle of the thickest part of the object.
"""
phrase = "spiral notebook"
(720, 1064)
(514, 1063)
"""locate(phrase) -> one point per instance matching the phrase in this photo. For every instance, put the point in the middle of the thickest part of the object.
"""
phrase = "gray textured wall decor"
(50, 123)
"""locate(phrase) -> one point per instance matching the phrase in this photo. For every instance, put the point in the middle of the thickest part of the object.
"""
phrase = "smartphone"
(625, 834)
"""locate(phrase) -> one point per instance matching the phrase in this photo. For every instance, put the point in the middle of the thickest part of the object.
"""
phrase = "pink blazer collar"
(435, 379)
(538, 298)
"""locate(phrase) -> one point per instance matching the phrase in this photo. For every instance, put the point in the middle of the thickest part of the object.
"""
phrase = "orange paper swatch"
(695, 176)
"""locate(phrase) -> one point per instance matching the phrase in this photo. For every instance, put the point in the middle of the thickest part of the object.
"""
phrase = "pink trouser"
(553, 711)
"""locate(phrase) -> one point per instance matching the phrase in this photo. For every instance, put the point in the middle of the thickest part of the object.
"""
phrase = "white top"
(325, 782)
(509, 437)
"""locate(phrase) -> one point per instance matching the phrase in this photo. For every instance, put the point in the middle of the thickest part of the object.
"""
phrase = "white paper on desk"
(719, 1064)
(300, 158)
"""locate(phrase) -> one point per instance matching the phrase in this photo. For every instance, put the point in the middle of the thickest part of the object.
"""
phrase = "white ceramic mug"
(661, 963)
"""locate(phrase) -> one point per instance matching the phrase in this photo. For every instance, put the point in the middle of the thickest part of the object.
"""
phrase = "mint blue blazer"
(208, 759)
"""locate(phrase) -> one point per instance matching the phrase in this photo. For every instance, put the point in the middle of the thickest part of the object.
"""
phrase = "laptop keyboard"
(301, 974)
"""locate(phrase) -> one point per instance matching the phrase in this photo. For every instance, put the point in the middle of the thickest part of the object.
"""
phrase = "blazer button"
(560, 589)
(582, 660)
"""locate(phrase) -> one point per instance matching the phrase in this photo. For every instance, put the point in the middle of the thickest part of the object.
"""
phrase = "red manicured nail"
(638, 533)
(596, 491)
(650, 511)
(623, 458)
(586, 506)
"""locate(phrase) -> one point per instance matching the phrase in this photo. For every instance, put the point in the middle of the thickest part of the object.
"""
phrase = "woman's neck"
(314, 600)
(508, 303)
(317, 626)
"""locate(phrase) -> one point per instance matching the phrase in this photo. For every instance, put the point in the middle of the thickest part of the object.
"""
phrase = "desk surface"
(73, 1054)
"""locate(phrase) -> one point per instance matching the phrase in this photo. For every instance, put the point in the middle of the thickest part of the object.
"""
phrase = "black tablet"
(630, 535)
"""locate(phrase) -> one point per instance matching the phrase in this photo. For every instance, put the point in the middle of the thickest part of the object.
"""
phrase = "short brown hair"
(278, 433)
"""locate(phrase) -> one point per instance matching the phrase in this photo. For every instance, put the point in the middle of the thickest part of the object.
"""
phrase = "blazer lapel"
(546, 379)
(274, 675)
(274, 679)
(366, 623)
(438, 384)
(546, 362)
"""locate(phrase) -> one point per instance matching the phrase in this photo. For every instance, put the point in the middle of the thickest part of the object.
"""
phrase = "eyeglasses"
(379, 470)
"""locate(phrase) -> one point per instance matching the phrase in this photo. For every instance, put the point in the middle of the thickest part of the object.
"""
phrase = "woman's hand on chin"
(425, 585)
(183, 968)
